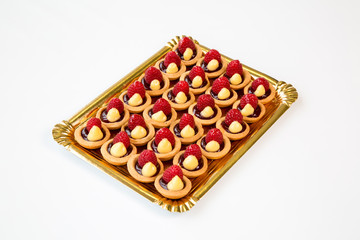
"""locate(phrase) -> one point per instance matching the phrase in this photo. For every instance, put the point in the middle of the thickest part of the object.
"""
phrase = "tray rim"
(62, 131)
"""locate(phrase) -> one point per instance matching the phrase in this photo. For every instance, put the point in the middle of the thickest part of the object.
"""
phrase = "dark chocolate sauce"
(139, 169)
(168, 117)
(267, 93)
(226, 127)
(181, 162)
(163, 68)
(128, 131)
(256, 113)
(103, 117)
(215, 96)
(203, 145)
(177, 130)
(85, 133)
(188, 80)
(172, 97)
(196, 112)
(242, 78)
(147, 86)
(126, 100)
(154, 147)
(204, 66)
(163, 184)
(129, 149)
(182, 56)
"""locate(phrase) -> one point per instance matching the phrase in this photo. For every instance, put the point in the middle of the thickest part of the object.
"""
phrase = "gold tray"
(63, 133)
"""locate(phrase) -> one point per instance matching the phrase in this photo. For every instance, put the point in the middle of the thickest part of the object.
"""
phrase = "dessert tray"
(68, 133)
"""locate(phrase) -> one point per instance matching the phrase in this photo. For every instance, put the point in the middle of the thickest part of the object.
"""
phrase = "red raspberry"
(249, 99)
(204, 101)
(136, 120)
(186, 119)
(122, 137)
(136, 87)
(172, 57)
(181, 86)
(152, 73)
(162, 105)
(260, 81)
(147, 156)
(164, 133)
(234, 67)
(93, 122)
(233, 115)
(194, 150)
(171, 172)
(219, 84)
(185, 43)
(197, 71)
(212, 54)
(214, 134)
(115, 103)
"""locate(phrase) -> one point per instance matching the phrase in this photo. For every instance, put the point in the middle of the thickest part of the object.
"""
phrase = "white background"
(301, 180)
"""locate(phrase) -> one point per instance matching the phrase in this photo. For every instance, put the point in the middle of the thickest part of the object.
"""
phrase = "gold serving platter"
(63, 133)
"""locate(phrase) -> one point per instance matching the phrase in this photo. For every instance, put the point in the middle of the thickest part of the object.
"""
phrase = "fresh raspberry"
(93, 122)
(219, 84)
(197, 71)
(233, 115)
(147, 156)
(194, 150)
(152, 73)
(185, 43)
(136, 120)
(162, 105)
(136, 87)
(115, 103)
(204, 101)
(234, 67)
(164, 133)
(172, 57)
(171, 172)
(181, 86)
(122, 137)
(186, 119)
(260, 81)
(212, 54)
(214, 134)
(249, 99)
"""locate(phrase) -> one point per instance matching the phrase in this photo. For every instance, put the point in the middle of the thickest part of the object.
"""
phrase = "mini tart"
(179, 106)
(157, 124)
(232, 136)
(264, 100)
(205, 121)
(142, 141)
(131, 169)
(246, 78)
(200, 132)
(216, 155)
(114, 125)
(137, 109)
(217, 73)
(161, 90)
(89, 144)
(251, 119)
(118, 161)
(194, 60)
(169, 155)
(172, 76)
(196, 91)
(189, 173)
(173, 194)
(224, 103)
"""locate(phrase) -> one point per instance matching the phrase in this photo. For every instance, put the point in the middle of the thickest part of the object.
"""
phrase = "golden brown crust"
(216, 73)
(156, 123)
(172, 76)
(114, 125)
(138, 108)
(216, 155)
(192, 139)
(118, 161)
(131, 168)
(246, 80)
(161, 90)
(268, 98)
(88, 144)
(249, 119)
(189, 173)
(173, 194)
(206, 121)
(232, 136)
(224, 103)
(169, 155)
(193, 61)
(179, 106)
(142, 141)
(196, 91)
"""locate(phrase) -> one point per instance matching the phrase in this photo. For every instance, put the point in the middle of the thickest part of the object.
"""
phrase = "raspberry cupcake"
(205, 111)
(172, 183)
(233, 126)
(223, 95)
(214, 145)
(160, 114)
(135, 98)
(262, 89)
(188, 51)
(155, 83)
(191, 161)
(92, 135)
(118, 150)
(145, 167)
(113, 116)
(165, 144)
(250, 108)
(186, 129)
(213, 64)
(197, 80)
(171, 66)
(138, 130)
(179, 96)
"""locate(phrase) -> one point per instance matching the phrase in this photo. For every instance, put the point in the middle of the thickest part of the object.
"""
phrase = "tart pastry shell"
(89, 144)
(193, 61)
(232, 136)
(173, 194)
(268, 98)
(142, 141)
(169, 155)
(179, 106)
(196, 91)
(224, 103)
(156, 123)
(250, 119)
(216, 155)
(189, 173)
(114, 125)
(136, 109)
(216, 73)
(161, 90)
(118, 161)
(206, 121)
(189, 140)
(172, 76)
(246, 78)
(131, 168)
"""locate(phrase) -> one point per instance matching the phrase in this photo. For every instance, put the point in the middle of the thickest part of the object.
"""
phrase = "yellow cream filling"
(148, 170)
(159, 116)
(135, 100)
(213, 65)
(155, 84)
(95, 134)
(118, 150)
(235, 127)
(113, 115)
(138, 132)
(181, 98)
(172, 68)
(247, 110)
(190, 162)
(224, 93)
(175, 184)
(188, 54)
(236, 79)
(197, 82)
(260, 91)
(212, 146)
(207, 112)
(164, 146)
(187, 131)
